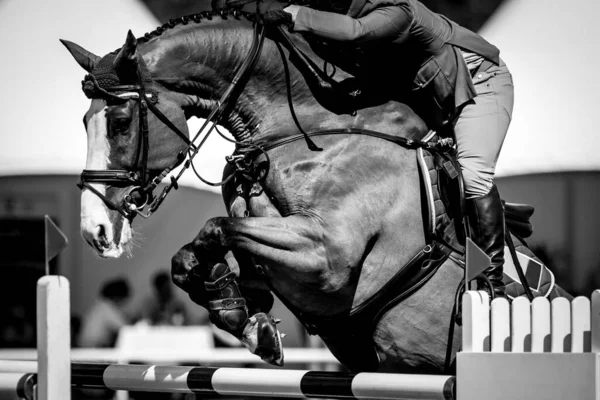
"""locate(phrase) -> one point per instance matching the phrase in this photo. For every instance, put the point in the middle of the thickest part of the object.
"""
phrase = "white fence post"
(53, 338)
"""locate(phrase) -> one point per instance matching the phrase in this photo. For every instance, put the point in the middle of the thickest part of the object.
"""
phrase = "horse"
(324, 221)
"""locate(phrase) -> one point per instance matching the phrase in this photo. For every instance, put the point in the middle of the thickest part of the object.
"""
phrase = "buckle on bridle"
(240, 162)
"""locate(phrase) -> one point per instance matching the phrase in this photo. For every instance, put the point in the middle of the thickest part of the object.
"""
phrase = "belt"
(484, 66)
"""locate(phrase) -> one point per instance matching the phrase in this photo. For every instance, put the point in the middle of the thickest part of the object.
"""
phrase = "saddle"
(443, 209)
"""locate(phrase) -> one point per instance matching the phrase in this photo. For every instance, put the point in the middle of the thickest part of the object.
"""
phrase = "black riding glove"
(218, 5)
(277, 17)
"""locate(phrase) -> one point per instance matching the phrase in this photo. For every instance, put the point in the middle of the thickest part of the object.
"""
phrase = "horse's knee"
(185, 274)
(211, 236)
(182, 265)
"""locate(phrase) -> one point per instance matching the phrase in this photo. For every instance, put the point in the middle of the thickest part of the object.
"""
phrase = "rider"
(458, 81)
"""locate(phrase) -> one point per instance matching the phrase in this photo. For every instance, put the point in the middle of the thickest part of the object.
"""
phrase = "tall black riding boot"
(486, 220)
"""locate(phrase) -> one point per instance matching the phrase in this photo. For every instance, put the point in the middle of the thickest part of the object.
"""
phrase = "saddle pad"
(437, 221)
(539, 277)
(439, 224)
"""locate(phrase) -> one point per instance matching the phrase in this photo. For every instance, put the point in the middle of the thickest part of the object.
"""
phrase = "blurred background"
(550, 158)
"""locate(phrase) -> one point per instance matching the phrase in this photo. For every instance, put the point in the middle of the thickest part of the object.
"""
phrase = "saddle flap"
(517, 218)
(519, 211)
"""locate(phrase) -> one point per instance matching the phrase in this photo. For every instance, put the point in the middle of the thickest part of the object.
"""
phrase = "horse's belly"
(308, 297)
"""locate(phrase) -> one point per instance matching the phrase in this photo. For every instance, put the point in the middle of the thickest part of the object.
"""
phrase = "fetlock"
(226, 306)
(486, 221)
(262, 338)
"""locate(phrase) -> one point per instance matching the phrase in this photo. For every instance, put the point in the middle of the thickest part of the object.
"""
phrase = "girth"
(353, 332)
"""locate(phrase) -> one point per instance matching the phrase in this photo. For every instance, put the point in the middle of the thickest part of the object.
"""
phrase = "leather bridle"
(141, 194)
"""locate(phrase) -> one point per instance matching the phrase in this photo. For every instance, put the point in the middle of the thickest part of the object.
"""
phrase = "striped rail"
(529, 350)
(245, 382)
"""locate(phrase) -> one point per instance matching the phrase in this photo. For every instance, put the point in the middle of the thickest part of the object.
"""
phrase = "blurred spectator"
(16, 328)
(163, 307)
(100, 325)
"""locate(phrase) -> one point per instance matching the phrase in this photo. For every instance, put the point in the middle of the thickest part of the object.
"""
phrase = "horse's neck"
(205, 58)
(189, 53)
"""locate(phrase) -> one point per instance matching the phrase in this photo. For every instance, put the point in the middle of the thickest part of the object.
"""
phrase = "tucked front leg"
(296, 242)
(222, 296)
(307, 259)
(217, 290)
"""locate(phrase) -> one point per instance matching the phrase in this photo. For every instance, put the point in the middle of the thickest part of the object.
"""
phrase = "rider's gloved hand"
(218, 5)
(277, 17)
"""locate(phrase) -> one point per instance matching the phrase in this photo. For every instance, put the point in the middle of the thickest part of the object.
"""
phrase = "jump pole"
(260, 382)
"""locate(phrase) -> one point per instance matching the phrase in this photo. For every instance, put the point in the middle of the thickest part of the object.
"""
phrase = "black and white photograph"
(328, 199)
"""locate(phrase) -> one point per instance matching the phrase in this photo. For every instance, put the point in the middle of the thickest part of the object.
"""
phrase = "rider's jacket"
(408, 39)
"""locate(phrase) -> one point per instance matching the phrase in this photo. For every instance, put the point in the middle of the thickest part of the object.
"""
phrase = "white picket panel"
(476, 309)
(520, 325)
(561, 325)
(540, 325)
(554, 351)
(500, 325)
(595, 322)
(580, 325)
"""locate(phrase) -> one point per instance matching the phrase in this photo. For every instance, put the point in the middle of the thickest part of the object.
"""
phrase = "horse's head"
(127, 146)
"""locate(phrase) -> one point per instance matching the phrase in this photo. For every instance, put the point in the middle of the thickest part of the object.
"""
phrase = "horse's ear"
(126, 61)
(83, 57)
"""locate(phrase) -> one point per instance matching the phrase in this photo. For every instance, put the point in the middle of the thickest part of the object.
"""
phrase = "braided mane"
(197, 18)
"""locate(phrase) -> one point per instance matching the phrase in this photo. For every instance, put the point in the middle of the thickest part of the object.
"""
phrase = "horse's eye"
(120, 126)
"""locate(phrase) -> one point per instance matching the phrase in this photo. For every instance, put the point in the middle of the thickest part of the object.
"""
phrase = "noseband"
(141, 194)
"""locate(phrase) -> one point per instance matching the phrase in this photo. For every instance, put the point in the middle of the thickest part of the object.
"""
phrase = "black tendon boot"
(486, 220)
(228, 311)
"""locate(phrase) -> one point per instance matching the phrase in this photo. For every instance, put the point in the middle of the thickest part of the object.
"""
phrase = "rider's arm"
(381, 23)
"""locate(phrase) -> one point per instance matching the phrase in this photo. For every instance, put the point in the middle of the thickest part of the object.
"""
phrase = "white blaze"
(94, 213)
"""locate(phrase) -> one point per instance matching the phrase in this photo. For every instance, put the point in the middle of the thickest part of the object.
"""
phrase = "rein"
(439, 145)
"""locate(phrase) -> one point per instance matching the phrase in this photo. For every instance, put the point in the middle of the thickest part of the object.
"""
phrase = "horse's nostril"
(100, 240)
(97, 245)
(100, 232)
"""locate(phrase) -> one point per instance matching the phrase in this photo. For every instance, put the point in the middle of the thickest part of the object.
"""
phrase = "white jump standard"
(539, 350)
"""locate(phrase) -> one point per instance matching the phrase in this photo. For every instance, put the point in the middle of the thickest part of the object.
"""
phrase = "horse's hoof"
(262, 338)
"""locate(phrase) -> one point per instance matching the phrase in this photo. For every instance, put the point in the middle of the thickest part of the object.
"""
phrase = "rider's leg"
(480, 131)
